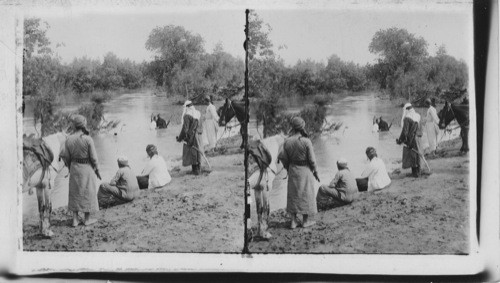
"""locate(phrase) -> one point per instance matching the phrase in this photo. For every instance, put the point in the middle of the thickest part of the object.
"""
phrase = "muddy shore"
(191, 214)
(426, 215)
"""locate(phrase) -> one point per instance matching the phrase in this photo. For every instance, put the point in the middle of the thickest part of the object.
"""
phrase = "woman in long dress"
(210, 125)
(80, 156)
(298, 158)
(410, 137)
(432, 126)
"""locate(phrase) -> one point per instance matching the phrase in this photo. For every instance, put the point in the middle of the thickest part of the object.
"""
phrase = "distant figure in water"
(375, 127)
(121, 189)
(160, 122)
(152, 125)
(383, 126)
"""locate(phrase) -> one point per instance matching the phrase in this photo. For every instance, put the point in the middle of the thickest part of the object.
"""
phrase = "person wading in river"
(342, 189)
(160, 122)
(80, 157)
(121, 189)
(298, 158)
(409, 136)
(190, 135)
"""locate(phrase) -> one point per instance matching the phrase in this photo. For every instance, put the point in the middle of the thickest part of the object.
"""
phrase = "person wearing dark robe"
(382, 125)
(408, 137)
(160, 122)
(190, 135)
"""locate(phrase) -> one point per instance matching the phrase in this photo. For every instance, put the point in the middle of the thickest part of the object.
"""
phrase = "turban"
(123, 160)
(151, 148)
(79, 122)
(371, 152)
(298, 124)
(342, 163)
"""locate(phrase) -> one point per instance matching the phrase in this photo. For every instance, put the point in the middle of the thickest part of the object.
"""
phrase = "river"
(133, 134)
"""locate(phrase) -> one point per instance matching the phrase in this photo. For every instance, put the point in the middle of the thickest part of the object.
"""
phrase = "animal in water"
(460, 113)
(40, 167)
(383, 126)
(231, 109)
(265, 153)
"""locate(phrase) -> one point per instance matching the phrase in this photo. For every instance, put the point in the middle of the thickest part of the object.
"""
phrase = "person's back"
(377, 175)
(127, 183)
(346, 185)
(158, 172)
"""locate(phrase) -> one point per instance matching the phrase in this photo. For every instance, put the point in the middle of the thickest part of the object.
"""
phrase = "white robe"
(432, 128)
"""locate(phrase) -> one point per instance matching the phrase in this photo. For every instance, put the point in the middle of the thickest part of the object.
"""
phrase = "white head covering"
(184, 110)
(123, 160)
(190, 110)
(411, 113)
(342, 162)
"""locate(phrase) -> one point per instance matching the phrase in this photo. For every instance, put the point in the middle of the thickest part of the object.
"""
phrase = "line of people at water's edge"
(297, 156)
(80, 156)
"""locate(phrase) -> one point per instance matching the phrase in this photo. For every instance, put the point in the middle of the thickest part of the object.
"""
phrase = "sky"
(310, 33)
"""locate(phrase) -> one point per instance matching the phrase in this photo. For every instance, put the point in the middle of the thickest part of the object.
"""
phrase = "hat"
(298, 124)
(79, 122)
(151, 148)
(188, 103)
(122, 160)
(370, 152)
(342, 162)
(407, 105)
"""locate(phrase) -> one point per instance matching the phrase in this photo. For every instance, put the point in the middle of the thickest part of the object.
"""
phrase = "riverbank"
(191, 214)
(427, 215)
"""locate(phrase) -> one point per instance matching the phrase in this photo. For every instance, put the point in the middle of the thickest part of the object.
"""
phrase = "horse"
(230, 109)
(265, 153)
(40, 167)
(460, 113)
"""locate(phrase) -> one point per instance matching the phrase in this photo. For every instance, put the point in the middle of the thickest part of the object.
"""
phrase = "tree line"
(181, 66)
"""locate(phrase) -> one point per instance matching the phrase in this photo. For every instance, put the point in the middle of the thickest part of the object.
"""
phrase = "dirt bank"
(191, 214)
(428, 215)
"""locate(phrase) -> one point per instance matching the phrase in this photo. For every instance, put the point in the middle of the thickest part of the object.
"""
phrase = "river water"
(133, 134)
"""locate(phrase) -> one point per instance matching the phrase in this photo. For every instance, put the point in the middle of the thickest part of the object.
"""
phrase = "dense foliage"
(182, 67)
(406, 70)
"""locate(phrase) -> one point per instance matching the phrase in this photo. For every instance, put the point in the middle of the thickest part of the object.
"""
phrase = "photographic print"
(128, 144)
(364, 115)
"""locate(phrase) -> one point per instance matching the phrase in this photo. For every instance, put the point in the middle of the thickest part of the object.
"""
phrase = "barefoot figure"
(299, 160)
(80, 156)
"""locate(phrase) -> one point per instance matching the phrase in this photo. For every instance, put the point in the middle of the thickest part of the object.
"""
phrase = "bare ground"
(191, 214)
(426, 215)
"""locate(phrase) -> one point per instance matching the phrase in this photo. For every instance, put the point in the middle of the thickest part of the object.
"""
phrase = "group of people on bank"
(80, 156)
(298, 158)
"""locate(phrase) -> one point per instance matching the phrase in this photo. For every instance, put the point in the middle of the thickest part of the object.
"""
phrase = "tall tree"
(176, 49)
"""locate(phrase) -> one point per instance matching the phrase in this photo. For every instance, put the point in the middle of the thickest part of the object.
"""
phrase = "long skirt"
(301, 197)
(82, 188)
(432, 131)
(191, 156)
(109, 196)
(210, 130)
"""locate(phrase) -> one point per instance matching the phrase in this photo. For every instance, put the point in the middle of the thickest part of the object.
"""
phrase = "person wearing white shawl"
(190, 135)
(410, 135)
